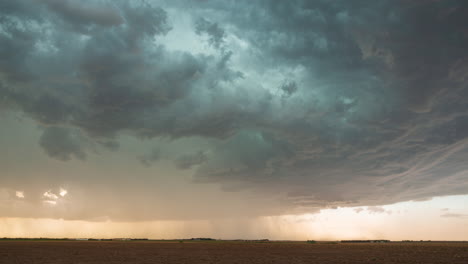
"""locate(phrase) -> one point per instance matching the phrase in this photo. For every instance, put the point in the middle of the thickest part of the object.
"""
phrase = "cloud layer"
(320, 103)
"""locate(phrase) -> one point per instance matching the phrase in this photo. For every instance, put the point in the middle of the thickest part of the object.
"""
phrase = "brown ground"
(87, 252)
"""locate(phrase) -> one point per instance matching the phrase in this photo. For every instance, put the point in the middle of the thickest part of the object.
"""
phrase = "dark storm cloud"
(215, 33)
(331, 103)
(116, 78)
(187, 161)
(380, 113)
(289, 87)
(148, 159)
(77, 13)
(62, 144)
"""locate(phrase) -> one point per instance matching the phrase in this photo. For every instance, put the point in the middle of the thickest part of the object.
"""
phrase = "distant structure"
(366, 241)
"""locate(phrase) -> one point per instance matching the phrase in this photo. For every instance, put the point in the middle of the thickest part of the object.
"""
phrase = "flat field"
(113, 252)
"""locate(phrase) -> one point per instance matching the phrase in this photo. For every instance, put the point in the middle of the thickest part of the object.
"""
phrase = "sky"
(234, 119)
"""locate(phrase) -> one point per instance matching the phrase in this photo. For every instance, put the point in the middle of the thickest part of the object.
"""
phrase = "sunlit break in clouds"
(233, 114)
(63, 192)
(19, 194)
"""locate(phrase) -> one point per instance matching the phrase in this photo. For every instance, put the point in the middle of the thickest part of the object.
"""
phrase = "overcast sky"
(133, 112)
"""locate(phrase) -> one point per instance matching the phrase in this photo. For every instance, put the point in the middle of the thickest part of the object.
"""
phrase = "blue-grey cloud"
(215, 33)
(77, 13)
(62, 144)
(187, 161)
(327, 103)
(148, 159)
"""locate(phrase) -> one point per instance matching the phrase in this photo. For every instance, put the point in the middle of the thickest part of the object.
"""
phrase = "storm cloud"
(315, 103)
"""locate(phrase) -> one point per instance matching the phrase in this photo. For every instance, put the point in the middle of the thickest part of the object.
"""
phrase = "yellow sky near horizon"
(424, 220)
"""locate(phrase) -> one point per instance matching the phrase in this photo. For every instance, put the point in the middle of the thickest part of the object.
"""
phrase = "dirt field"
(84, 252)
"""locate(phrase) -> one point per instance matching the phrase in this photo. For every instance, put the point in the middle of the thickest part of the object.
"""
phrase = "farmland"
(139, 252)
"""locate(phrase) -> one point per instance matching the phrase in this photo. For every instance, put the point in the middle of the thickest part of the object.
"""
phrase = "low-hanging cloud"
(62, 144)
(327, 104)
(187, 161)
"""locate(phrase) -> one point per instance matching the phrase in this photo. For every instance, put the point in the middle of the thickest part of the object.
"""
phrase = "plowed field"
(96, 252)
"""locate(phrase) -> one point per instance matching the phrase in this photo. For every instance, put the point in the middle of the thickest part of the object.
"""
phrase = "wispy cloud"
(454, 215)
